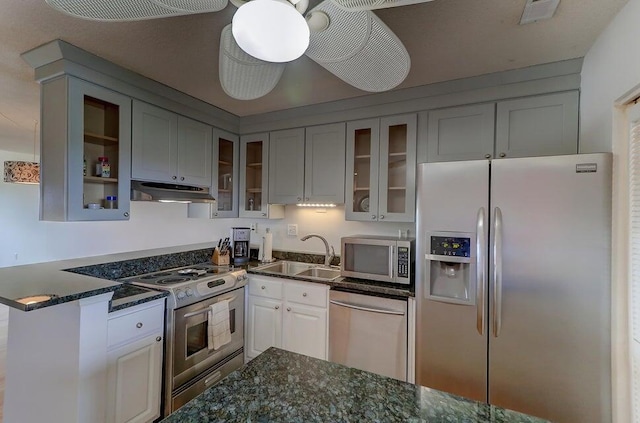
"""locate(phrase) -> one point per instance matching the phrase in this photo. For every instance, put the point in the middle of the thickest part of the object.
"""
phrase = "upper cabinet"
(538, 126)
(224, 187)
(254, 178)
(532, 126)
(461, 133)
(307, 165)
(170, 148)
(381, 166)
(83, 125)
(286, 166)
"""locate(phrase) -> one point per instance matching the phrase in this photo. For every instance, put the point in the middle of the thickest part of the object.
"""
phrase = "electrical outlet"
(292, 229)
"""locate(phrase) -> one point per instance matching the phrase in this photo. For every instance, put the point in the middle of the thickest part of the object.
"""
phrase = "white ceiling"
(446, 39)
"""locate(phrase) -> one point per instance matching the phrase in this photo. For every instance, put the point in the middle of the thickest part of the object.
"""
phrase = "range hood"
(158, 191)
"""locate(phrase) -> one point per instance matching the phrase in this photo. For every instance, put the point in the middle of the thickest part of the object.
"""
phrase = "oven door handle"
(204, 310)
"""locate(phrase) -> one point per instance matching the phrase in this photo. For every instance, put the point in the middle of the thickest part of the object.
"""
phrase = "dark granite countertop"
(70, 280)
(348, 284)
(127, 295)
(281, 386)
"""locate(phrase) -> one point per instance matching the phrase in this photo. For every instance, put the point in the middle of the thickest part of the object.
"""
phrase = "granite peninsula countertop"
(281, 386)
(74, 279)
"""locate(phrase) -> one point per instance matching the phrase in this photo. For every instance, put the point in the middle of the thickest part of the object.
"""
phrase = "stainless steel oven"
(189, 366)
(191, 353)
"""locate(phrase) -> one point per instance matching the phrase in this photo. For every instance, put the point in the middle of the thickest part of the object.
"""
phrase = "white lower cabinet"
(264, 325)
(134, 372)
(287, 314)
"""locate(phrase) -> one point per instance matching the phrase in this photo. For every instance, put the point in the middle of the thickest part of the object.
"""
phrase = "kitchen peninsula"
(281, 386)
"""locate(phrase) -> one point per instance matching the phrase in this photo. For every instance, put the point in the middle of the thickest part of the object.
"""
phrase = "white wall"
(611, 71)
(152, 225)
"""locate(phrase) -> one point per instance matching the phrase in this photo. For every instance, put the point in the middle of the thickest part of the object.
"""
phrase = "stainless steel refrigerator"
(513, 283)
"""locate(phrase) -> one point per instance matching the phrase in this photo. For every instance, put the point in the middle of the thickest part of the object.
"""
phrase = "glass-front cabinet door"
(363, 146)
(90, 155)
(381, 169)
(397, 181)
(254, 159)
(226, 147)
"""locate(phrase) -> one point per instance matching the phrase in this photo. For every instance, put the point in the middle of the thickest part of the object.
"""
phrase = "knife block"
(219, 259)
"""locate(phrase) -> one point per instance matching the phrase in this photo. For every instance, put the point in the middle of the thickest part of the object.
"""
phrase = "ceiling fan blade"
(193, 6)
(360, 5)
(114, 10)
(360, 49)
(242, 76)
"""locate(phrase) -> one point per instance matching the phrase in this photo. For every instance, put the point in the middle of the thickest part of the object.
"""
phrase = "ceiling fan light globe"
(270, 30)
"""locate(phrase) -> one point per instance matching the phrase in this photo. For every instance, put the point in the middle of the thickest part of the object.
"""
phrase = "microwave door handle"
(392, 263)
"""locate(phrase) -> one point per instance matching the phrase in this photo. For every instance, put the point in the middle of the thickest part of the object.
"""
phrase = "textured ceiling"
(446, 39)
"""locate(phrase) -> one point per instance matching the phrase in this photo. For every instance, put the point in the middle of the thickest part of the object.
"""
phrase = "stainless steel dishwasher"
(368, 333)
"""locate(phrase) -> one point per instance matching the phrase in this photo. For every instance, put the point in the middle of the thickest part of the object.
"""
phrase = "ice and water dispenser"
(451, 267)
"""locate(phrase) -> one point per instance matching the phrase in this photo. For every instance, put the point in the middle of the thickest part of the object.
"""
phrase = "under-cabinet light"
(316, 205)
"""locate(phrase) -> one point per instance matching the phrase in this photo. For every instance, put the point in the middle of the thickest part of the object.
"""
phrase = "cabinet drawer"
(307, 293)
(264, 287)
(135, 323)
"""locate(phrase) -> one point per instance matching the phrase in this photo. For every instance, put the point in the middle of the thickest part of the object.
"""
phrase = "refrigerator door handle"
(481, 282)
(497, 272)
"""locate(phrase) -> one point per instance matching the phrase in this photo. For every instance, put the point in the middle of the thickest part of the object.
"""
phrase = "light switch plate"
(292, 229)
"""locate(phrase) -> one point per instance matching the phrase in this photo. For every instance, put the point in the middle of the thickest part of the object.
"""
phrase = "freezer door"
(549, 345)
(451, 350)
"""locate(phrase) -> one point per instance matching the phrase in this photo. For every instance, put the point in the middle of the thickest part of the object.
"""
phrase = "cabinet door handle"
(174, 177)
(264, 215)
(158, 338)
(503, 155)
(306, 199)
(262, 287)
(277, 307)
(182, 178)
(299, 198)
(487, 156)
(381, 216)
(126, 214)
(288, 308)
(304, 294)
(373, 217)
(139, 325)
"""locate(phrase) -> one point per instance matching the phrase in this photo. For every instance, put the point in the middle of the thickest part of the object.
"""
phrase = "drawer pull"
(214, 378)
(262, 287)
(158, 338)
(277, 307)
(288, 308)
(139, 325)
(304, 294)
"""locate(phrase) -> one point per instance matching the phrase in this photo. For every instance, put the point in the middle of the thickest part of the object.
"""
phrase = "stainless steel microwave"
(379, 258)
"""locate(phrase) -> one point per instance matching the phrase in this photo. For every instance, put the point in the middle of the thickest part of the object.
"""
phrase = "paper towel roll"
(267, 246)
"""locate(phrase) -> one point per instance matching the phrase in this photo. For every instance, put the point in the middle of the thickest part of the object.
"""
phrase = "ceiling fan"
(343, 36)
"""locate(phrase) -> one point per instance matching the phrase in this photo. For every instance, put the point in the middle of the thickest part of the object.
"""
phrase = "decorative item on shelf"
(103, 168)
(23, 172)
(364, 204)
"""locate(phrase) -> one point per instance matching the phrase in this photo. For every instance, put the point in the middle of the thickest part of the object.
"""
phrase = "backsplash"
(125, 268)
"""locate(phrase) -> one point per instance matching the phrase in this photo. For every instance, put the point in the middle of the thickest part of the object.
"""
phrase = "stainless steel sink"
(320, 273)
(304, 270)
(289, 268)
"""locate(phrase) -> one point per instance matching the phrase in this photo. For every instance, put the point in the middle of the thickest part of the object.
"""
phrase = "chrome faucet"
(328, 256)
